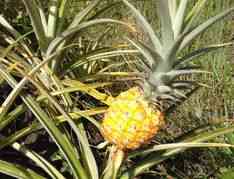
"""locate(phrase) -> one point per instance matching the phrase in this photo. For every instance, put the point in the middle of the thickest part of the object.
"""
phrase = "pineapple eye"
(132, 128)
(139, 116)
(142, 140)
(127, 114)
(120, 126)
(125, 142)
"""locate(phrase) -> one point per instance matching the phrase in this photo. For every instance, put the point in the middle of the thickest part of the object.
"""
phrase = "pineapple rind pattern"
(131, 121)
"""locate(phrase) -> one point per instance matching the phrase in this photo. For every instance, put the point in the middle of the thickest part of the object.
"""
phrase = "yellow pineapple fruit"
(130, 120)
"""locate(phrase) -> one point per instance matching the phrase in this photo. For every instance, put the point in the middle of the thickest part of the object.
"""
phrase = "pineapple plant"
(133, 118)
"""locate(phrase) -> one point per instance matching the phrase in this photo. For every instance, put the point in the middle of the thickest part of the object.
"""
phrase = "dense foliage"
(64, 62)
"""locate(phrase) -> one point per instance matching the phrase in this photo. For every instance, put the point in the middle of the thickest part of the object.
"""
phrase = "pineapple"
(131, 119)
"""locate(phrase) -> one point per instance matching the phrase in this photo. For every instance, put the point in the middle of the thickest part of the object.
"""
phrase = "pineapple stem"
(115, 160)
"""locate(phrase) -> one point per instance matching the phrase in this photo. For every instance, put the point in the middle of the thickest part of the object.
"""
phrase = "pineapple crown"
(178, 29)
